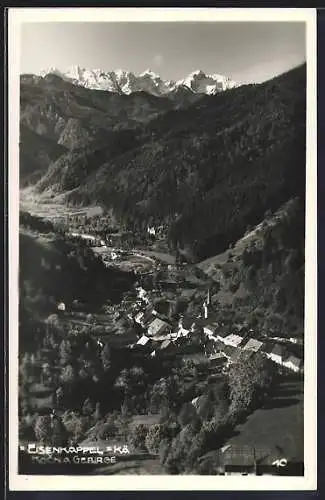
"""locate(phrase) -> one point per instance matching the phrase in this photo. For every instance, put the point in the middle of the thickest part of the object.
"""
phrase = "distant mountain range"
(126, 82)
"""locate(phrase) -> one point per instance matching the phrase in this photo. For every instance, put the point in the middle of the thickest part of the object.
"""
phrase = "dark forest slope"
(262, 276)
(36, 154)
(211, 169)
(53, 270)
(207, 171)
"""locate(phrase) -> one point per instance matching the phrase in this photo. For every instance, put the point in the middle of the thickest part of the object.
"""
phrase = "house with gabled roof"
(143, 340)
(209, 330)
(222, 332)
(157, 327)
(233, 340)
(275, 352)
(253, 345)
(217, 358)
(228, 351)
(61, 307)
(293, 363)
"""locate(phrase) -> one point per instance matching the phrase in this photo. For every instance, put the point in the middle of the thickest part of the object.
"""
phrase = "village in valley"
(208, 334)
(170, 322)
(162, 232)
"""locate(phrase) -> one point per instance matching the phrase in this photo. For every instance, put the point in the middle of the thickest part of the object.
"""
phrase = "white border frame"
(17, 16)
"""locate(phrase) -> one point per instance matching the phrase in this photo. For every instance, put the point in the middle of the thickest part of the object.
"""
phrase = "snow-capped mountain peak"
(148, 81)
(149, 72)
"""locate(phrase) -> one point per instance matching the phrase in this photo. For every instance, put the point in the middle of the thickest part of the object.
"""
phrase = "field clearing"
(278, 427)
(164, 257)
(52, 207)
(134, 262)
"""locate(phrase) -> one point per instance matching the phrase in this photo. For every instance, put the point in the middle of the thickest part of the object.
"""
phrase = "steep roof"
(217, 355)
(246, 455)
(233, 456)
(222, 332)
(143, 340)
(156, 326)
(233, 339)
(268, 347)
(211, 327)
(253, 345)
(228, 350)
(294, 360)
(278, 350)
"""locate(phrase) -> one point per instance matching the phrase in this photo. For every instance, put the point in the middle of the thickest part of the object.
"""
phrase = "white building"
(138, 317)
(253, 345)
(276, 354)
(205, 310)
(143, 340)
(232, 340)
(157, 326)
(292, 363)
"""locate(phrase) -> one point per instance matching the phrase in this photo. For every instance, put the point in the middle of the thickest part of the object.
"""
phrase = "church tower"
(205, 310)
(207, 305)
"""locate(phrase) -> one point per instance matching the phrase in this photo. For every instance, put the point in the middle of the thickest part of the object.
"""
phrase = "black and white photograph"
(163, 238)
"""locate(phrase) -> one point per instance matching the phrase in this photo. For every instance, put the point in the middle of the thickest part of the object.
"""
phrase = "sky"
(243, 51)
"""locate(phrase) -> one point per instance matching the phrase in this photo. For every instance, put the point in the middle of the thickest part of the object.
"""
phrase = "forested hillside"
(53, 270)
(207, 171)
(262, 276)
(57, 115)
(212, 169)
(36, 154)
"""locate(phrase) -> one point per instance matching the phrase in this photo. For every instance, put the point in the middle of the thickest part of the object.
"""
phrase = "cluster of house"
(221, 346)
(232, 345)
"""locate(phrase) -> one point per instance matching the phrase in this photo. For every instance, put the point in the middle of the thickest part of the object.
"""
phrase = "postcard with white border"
(162, 249)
